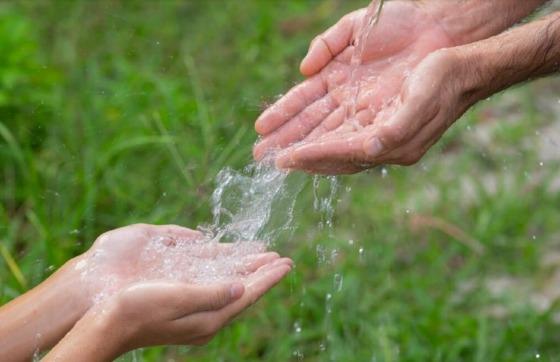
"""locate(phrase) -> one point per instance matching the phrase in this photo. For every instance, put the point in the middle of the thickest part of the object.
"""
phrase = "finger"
(333, 121)
(176, 232)
(398, 130)
(297, 128)
(287, 107)
(335, 153)
(254, 262)
(210, 322)
(256, 285)
(197, 298)
(335, 169)
(328, 45)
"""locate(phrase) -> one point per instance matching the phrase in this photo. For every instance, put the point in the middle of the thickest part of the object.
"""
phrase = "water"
(251, 208)
(369, 21)
(243, 201)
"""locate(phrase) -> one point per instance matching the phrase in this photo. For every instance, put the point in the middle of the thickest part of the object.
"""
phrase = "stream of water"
(369, 21)
(251, 209)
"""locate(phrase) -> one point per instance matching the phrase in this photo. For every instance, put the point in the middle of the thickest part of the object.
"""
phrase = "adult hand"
(162, 312)
(403, 102)
(315, 110)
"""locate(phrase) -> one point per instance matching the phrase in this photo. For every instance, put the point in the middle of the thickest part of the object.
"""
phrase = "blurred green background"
(115, 112)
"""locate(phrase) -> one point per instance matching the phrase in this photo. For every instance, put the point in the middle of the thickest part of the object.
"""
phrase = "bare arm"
(467, 21)
(314, 126)
(38, 319)
(523, 53)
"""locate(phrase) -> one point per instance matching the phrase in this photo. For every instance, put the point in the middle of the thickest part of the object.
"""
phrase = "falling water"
(369, 21)
(251, 209)
(243, 204)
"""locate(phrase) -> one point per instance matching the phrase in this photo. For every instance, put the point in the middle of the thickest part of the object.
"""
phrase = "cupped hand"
(142, 252)
(186, 313)
(435, 95)
(320, 110)
(164, 312)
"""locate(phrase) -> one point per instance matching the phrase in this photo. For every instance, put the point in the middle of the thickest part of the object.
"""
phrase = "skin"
(407, 59)
(162, 313)
(38, 319)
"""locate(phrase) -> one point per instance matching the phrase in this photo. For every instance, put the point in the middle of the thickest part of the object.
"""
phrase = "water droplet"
(538, 356)
(297, 327)
(338, 281)
(384, 172)
(334, 255)
(298, 354)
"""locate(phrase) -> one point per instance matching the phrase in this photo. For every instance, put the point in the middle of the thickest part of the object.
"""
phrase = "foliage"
(120, 112)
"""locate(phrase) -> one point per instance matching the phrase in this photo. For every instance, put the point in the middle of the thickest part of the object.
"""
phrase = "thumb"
(325, 47)
(211, 297)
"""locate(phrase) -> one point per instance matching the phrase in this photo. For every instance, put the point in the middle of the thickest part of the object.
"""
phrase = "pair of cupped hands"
(118, 307)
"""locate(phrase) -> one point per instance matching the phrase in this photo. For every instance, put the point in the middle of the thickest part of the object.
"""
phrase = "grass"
(120, 112)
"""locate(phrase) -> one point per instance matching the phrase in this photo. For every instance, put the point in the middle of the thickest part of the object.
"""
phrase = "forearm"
(93, 339)
(466, 21)
(39, 318)
(523, 53)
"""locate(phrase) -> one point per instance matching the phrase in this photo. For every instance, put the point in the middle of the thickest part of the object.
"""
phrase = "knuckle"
(220, 299)
(392, 136)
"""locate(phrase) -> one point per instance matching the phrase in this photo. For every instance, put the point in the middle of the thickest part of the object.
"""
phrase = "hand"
(117, 260)
(316, 110)
(142, 252)
(161, 312)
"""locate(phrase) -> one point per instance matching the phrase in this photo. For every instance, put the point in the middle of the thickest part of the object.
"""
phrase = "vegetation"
(119, 112)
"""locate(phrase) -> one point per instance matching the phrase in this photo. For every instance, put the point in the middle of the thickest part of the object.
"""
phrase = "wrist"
(94, 338)
(473, 20)
(68, 281)
(40, 317)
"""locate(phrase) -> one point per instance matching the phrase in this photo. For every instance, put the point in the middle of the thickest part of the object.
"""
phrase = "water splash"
(251, 209)
(325, 205)
(243, 204)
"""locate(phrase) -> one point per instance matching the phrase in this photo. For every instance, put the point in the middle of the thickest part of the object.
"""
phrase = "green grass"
(120, 112)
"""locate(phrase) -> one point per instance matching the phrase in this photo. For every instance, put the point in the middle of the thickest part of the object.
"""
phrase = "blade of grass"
(174, 151)
(13, 266)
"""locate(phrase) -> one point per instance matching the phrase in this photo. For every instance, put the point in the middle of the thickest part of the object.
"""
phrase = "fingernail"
(236, 290)
(374, 148)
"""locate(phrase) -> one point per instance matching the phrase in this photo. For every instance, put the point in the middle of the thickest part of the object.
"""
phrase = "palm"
(341, 98)
(145, 252)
